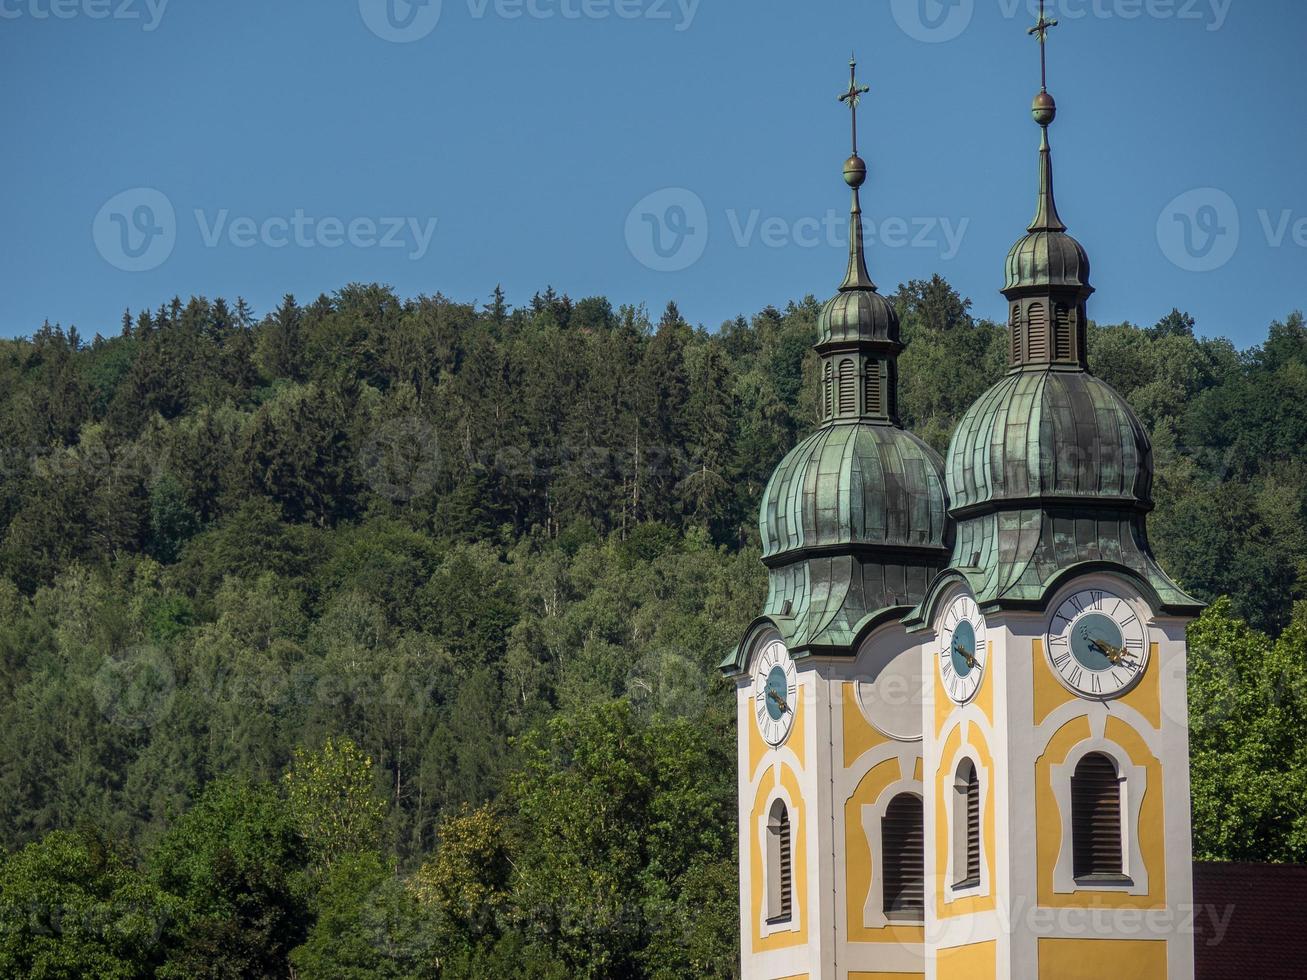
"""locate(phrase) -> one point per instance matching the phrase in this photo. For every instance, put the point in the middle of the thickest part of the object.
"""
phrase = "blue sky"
(643, 149)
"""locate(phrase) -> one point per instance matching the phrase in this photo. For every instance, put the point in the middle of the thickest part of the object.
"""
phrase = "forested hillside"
(377, 637)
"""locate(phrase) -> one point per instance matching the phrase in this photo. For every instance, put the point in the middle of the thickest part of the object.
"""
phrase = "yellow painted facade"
(858, 858)
(886, 976)
(946, 906)
(1094, 959)
(975, 962)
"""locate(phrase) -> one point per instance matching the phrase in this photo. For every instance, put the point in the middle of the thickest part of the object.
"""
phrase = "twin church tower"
(963, 737)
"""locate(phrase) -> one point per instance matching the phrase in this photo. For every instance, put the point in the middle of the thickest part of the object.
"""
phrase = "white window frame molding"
(766, 925)
(957, 830)
(873, 910)
(1134, 784)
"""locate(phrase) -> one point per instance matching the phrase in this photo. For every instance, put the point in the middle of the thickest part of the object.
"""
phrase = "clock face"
(1097, 645)
(775, 692)
(963, 650)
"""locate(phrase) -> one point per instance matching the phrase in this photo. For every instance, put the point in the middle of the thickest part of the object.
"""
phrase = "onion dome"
(1048, 436)
(855, 485)
(854, 521)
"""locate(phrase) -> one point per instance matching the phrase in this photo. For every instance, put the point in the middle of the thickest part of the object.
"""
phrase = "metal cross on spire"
(853, 96)
(1040, 31)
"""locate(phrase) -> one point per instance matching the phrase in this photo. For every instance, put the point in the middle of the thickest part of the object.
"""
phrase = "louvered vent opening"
(902, 842)
(1063, 342)
(1014, 334)
(780, 870)
(1037, 332)
(875, 390)
(973, 825)
(848, 390)
(828, 381)
(1096, 818)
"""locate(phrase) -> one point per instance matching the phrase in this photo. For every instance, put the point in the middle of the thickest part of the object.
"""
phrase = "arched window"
(780, 874)
(966, 826)
(1096, 818)
(1015, 334)
(828, 382)
(874, 389)
(903, 858)
(1063, 333)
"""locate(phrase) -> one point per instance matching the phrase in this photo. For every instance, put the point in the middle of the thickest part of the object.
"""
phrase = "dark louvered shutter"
(848, 390)
(828, 382)
(1096, 818)
(904, 858)
(1015, 334)
(1037, 343)
(875, 396)
(786, 867)
(973, 826)
(1062, 333)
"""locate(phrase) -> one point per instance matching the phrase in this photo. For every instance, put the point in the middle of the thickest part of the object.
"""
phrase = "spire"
(855, 175)
(1045, 111)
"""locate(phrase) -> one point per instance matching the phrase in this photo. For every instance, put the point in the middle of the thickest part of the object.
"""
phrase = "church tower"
(829, 685)
(1056, 753)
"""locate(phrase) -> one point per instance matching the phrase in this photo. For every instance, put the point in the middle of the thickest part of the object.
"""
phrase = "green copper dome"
(855, 484)
(1047, 258)
(858, 315)
(1039, 436)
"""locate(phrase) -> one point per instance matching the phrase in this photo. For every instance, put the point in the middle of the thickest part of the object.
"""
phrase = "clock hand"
(780, 701)
(1114, 654)
(966, 655)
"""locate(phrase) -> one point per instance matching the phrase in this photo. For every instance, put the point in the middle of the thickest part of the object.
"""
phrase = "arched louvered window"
(780, 870)
(966, 826)
(1063, 333)
(1014, 334)
(848, 390)
(1037, 333)
(1096, 818)
(903, 861)
(827, 382)
(875, 389)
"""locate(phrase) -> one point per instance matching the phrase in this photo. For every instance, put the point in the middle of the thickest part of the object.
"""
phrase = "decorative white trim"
(1134, 783)
(952, 893)
(873, 910)
(766, 926)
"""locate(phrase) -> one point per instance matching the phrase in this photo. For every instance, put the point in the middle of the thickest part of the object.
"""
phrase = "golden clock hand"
(970, 659)
(780, 701)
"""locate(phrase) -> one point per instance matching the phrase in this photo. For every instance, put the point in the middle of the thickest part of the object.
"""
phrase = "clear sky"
(643, 149)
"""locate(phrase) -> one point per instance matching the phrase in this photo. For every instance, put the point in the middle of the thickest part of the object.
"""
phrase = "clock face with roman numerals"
(963, 650)
(1097, 644)
(775, 692)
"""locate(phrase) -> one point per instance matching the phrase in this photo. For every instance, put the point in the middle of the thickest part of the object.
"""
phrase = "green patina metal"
(854, 521)
(1050, 473)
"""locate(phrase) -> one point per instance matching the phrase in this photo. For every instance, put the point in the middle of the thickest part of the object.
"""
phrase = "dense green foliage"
(377, 638)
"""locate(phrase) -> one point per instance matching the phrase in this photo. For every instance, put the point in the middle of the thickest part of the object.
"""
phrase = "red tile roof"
(1250, 921)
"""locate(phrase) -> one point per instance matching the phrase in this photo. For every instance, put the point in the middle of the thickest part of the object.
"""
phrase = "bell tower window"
(966, 826)
(848, 398)
(780, 873)
(904, 858)
(1096, 819)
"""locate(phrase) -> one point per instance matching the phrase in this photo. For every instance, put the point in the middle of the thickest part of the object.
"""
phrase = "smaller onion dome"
(858, 315)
